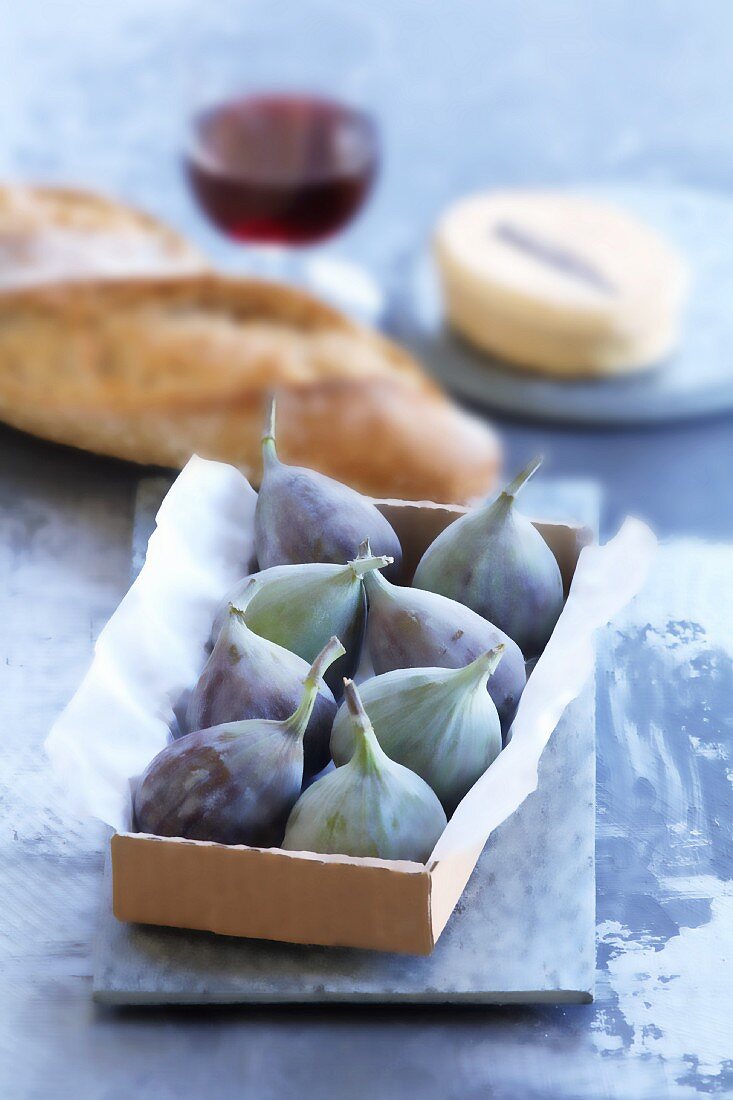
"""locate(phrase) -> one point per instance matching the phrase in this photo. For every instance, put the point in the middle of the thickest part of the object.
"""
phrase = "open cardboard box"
(151, 652)
(298, 897)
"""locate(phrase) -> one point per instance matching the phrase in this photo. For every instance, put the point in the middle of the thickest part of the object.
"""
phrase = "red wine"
(281, 169)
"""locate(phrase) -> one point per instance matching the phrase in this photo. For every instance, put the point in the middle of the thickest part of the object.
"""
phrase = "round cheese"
(559, 282)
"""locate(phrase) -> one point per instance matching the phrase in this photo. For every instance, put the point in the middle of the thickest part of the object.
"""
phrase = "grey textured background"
(469, 94)
(472, 93)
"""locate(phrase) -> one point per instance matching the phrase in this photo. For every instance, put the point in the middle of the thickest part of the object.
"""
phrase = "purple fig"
(496, 562)
(408, 628)
(247, 676)
(303, 516)
(235, 783)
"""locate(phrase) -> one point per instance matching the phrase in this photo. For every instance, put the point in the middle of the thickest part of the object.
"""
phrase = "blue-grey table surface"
(470, 94)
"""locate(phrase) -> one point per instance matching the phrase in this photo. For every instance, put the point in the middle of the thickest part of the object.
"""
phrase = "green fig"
(247, 676)
(408, 628)
(300, 606)
(440, 723)
(496, 562)
(303, 516)
(235, 783)
(372, 806)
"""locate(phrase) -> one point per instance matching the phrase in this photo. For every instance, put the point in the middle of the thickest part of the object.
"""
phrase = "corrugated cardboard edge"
(295, 897)
(299, 897)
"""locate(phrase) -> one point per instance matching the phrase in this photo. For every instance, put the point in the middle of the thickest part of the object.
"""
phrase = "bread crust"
(155, 369)
(58, 234)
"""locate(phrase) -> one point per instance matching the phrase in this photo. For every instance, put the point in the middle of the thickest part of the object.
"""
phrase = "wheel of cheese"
(560, 283)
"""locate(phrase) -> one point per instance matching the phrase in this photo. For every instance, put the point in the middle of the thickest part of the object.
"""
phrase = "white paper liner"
(154, 646)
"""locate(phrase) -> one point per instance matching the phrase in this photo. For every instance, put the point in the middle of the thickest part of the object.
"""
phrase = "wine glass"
(282, 152)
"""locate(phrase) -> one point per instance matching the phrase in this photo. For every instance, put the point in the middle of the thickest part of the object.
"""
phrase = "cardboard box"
(272, 894)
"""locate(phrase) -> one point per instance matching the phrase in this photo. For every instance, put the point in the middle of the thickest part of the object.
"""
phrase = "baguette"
(58, 234)
(155, 369)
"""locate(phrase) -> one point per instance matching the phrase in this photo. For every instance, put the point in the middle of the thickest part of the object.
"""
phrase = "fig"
(496, 562)
(371, 806)
(300, 606)
(440, 723)
(235, 783)
(247, 676)
(303, 516)
(409, 628)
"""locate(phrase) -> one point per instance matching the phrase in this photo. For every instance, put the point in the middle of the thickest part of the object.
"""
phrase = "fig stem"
(522, 477)
(269, 448)
(300, 717)
(237, 610)
(482, 667)
(269, 432)
(360, 566)
(365, 552)
(367, 750)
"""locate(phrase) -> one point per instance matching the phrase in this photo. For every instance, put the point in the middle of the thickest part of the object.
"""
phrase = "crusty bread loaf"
(154, 370)
(54, 234)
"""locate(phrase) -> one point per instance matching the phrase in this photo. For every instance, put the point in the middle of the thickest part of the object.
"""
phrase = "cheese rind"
(559, 283)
